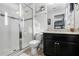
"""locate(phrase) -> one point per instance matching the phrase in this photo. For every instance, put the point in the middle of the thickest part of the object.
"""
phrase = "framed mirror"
(59, 21)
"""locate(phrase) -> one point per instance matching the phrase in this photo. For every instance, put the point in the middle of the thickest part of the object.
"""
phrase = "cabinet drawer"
(47, 35)
(49, 48)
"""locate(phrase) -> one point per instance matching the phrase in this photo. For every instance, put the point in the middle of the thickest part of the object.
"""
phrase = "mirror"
(56, 15)
(59, 23)
(63, 16)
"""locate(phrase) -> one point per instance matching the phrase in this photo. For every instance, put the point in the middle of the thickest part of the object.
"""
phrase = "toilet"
(34, 44)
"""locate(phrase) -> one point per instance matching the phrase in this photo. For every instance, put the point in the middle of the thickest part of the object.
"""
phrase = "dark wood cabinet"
(61, 44)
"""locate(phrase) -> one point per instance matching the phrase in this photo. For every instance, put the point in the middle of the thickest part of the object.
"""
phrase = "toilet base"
(34, 51)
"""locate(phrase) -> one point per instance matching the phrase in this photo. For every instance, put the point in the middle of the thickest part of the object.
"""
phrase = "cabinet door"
(67, 49)
(63, 49)
(49, 47)
(57, 48)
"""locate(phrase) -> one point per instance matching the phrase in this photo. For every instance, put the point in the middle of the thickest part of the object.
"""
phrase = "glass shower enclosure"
(16, 29)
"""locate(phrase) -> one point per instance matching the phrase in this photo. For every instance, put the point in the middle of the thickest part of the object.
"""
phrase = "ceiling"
(56, 7)
(38, 5)
(30, 4)
(13, 10)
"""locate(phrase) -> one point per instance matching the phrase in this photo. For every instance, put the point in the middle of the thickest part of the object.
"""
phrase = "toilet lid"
(34, 42)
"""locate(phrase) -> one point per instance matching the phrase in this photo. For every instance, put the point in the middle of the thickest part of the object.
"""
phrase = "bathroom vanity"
(61, 44)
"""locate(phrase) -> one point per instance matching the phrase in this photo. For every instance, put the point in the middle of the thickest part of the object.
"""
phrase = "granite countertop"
(61, 32)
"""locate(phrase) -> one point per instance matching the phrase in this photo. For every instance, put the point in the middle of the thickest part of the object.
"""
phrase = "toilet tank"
(39, 36)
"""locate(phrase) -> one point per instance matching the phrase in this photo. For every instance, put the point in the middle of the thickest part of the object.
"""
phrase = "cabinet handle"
(56, 43)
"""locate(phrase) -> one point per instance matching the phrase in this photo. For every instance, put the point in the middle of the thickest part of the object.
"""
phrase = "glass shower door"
(13, 18)
(26, 25)
(9, 30)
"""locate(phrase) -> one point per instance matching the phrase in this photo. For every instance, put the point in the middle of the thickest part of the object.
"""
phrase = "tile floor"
(28, 52)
